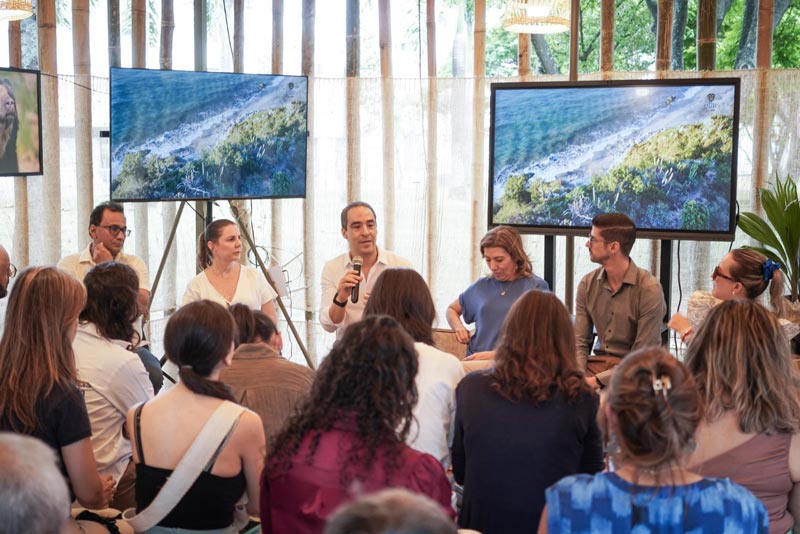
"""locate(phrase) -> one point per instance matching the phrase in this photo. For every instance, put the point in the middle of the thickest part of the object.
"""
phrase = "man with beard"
(620, 302)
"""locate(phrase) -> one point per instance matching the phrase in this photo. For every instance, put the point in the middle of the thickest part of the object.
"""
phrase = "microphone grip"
(354, 293)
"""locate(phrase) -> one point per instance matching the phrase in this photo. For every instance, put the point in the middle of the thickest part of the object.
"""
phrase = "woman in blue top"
(487, 301)
(649, 418)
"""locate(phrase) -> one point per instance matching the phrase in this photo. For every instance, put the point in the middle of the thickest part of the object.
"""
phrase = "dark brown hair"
(617, 227)
(253, 325)
(355, 204)
(748, 270)
(366, 379)
(655, 428)
(535, 355)
(112, 300)
(508, 238)
(96, 217)
(197, 337)
(36, 348)
(404, 295)
(741, 361)
(212, 233)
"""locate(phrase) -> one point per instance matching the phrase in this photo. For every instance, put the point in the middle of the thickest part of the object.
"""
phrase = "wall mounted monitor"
(182, 135)
(20, 122)
(661, 151)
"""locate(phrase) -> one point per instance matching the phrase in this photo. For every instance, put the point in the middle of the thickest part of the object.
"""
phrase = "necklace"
(504, 291)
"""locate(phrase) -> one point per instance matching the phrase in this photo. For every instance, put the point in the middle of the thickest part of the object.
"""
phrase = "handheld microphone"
(357, 262)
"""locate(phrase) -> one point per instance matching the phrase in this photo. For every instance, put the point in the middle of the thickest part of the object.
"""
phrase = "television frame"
(177, 198)
(642, 232)
(23, 125)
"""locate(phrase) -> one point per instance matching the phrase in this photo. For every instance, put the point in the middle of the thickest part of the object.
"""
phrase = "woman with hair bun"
(487, 301)
(649, 417)
(743, 273)
(222, 278)
(348, 438)
(199, 339)
(751, 431)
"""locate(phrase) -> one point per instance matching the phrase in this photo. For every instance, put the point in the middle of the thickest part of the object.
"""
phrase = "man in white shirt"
(360, 229)
(108, 230)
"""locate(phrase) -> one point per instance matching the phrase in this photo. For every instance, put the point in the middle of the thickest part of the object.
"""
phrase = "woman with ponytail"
(222, 278)
(199, 339)
(649, 417)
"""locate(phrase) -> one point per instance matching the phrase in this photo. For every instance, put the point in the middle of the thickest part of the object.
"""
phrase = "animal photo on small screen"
(20, 133)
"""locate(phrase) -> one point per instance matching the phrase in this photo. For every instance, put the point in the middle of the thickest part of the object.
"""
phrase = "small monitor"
(20, 122)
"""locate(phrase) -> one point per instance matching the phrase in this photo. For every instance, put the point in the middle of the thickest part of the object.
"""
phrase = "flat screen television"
(20, 122)
(181, 135)
(661, 151)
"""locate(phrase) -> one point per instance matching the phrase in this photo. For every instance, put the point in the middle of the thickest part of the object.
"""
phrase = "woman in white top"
(223, 279)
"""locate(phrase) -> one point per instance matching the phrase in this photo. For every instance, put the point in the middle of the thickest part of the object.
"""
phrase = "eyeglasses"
(717, 273)
(115, 230)
(12, 270)
(593, 239)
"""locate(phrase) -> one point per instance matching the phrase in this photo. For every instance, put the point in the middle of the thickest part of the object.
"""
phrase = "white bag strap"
(189, 468)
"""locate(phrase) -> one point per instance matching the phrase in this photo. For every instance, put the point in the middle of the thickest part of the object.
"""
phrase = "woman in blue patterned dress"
(649, 418)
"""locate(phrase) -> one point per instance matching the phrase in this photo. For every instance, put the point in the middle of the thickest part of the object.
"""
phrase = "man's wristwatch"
(340, 304)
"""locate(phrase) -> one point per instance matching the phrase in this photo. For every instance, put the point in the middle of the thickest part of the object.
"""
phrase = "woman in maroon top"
(348, 438)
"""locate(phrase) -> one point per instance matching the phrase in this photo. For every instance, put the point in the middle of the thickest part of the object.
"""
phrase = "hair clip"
(662, 384)
(768, 268)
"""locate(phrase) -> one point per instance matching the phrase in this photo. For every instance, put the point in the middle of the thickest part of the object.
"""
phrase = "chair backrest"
(445, 339)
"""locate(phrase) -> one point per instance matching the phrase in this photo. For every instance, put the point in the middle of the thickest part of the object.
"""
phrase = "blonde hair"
(741, 362)
(36, 347)
(748, 270)
(508, 238)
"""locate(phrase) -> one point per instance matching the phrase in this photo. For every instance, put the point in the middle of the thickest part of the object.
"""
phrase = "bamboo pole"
(607, 37)
(276, 205)
(763, 118)
(139, 52)
(309, 243)
(353, 52)
(169, 210)
(664, 35)
(50, 216)
(19, 252)
(478, 111)
(167, 31)
(706, 35)
(524, 55)
(200, 61)
(81, 58)
(114, 49)
(238, 35)
(387, 119)
(431, 152)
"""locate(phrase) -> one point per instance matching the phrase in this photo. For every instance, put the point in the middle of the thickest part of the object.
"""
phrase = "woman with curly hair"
(649, 417)
(751, 431)
(348, 438)
(525, 424)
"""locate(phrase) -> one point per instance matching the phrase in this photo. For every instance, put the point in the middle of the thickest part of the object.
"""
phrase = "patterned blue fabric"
(605, 503)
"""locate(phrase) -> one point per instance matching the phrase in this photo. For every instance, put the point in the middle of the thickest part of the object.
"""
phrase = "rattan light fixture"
(537, 16)
(15, 9)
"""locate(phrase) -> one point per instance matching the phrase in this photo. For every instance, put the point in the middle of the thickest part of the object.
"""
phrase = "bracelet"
(340, 304)
(686, 333)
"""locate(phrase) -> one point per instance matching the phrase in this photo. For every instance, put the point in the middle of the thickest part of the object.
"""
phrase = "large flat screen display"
(20, 122)
(661, 151)
(203, 135)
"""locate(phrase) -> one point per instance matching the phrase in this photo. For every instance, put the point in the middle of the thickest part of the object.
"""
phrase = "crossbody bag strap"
(189, 468)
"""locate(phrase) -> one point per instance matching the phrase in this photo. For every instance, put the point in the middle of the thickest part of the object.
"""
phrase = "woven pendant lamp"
(537, 16)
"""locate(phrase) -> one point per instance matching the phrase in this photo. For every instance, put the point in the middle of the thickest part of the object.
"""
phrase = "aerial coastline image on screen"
(202, 135)
(660, 153)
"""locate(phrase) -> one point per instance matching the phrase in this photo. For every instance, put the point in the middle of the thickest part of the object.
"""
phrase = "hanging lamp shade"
(537, 16)
(15, 9)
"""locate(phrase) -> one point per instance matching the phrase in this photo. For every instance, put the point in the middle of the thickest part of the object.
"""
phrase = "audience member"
(113, 375)
(487, 301)
(744, 370)
(222, 278)
(390, 511)
(525, 424)
(33, 493)
(348, 438)
(619, 302)
(403, 295)
(262, 379)
(742, 273)
(7, 271)
(339, 277)
(649, 417)
(39, 387)
(108, 231)
(199, 339)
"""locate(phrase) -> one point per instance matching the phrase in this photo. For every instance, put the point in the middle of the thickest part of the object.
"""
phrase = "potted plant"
(780, 232)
